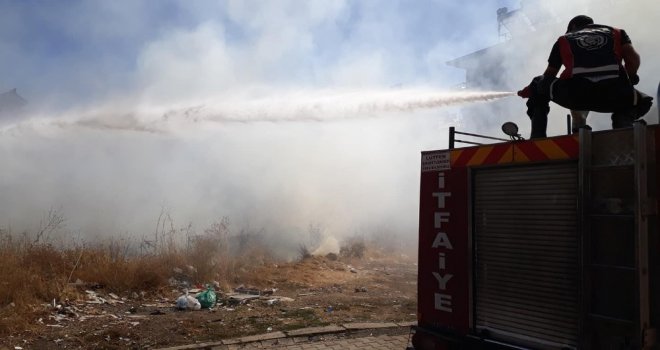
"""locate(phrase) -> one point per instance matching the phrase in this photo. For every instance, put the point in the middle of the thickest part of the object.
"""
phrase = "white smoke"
(211, 108)
(328, 245)
(273, 162)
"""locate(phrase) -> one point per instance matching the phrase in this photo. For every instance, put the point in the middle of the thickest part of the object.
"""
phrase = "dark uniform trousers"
(615, 95)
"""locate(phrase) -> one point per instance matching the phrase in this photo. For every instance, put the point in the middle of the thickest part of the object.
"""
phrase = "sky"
(70, 52)
(128, 103)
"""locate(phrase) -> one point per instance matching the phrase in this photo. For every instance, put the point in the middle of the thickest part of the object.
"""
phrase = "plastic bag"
(187, 302)
(207, 298)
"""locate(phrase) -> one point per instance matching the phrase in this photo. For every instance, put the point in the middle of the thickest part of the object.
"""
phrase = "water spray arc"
(355, 105)
(318, 106)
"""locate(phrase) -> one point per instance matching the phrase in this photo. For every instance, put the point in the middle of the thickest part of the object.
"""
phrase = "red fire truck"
(541, 244)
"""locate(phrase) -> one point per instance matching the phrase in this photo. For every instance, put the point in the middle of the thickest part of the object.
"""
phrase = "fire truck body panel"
(539, 244)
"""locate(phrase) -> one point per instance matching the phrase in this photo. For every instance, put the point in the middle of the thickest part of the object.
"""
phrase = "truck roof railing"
(508, 128)
(453, 140)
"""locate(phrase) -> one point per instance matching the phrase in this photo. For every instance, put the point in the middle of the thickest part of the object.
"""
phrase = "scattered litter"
(158, 305)
(113, 301)
(243, 290)
(91, 305)
(207, 298)
(94, 285)
(269, 291)
(57, 317)
(65, 311)
(188, 302)
(242, 298)
(276, 300)
(93, 298)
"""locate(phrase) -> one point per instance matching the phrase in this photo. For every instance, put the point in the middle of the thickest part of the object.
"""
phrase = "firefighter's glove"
(525, 92)
(634, 79)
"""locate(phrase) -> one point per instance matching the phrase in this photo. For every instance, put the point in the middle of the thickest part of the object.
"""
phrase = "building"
(11, 103)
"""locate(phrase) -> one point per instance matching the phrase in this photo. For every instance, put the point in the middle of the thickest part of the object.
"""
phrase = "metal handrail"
(453, 140)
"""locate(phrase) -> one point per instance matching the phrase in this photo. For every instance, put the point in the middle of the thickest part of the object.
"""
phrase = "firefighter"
(600, 69)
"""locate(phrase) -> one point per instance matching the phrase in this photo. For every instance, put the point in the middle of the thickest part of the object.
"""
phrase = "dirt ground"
(325, 290)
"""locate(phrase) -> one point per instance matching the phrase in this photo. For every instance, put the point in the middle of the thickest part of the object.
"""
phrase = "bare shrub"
(219, 230)
(353, 248)
(204, 254)
(53, 221)
(246, 251)
(315, 233)
(245, 239)
(303, 252)
(242, 269)
(208, 254)
(111, 267)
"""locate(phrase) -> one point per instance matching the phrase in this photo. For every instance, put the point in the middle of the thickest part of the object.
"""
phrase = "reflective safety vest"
(593, 52)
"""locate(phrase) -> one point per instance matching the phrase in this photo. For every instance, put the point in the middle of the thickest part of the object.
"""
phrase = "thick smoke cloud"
(125, 100)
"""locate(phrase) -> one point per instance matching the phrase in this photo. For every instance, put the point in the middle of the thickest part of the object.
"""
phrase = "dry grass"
(35, 272)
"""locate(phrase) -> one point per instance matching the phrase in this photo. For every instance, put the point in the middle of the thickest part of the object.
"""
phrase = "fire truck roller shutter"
(527, 254)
